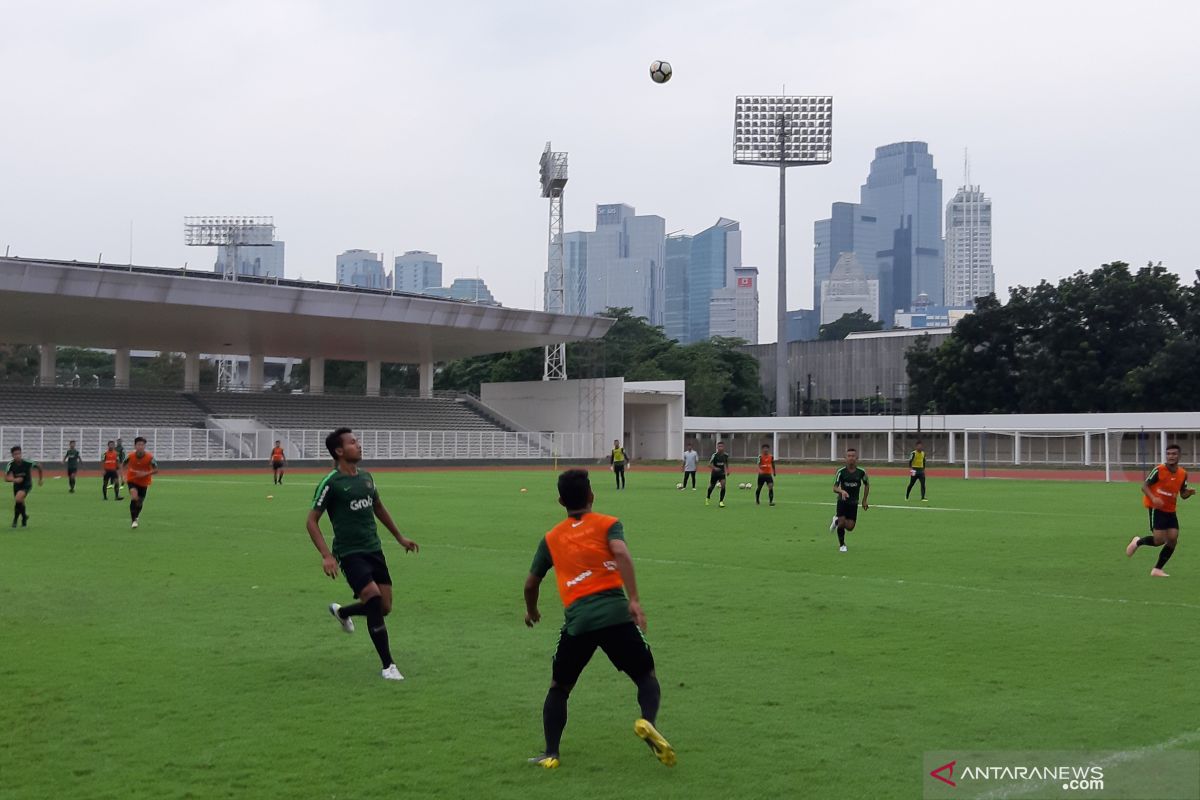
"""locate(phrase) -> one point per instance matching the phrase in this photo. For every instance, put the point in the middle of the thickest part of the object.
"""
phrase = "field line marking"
(888, 581)
(1005, 511)
(1121, 757)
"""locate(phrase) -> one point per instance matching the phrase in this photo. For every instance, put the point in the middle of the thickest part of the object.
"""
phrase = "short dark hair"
(851, 450)
(720, 444)
(14, 449)
(276, 441)
(141, 439)
(110, 441)
(574, 486)
(919, 441)
(766, 447)
(1174, 447)
(334, 440)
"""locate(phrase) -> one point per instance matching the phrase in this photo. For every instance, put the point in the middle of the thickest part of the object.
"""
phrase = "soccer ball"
(679, 486)
(660, 71)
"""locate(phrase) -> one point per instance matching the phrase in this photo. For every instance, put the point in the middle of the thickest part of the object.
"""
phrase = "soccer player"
(352, 500)
(916, 470)
(719, 472)
(766, 475)
(594, 571)
(690, 459)
(71, 459)
(111, 463)
(140, 468)
(618, 461)
(847, 484)
(19, 473)
(1165, 484)
(278, 461)
(121, 458)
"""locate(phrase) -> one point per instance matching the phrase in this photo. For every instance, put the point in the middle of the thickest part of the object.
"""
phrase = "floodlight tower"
(554, 180)
(228, 233)
(782, 131)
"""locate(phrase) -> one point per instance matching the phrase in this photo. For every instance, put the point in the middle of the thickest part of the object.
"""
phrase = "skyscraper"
(259, 261)
(848, 289)
(969, 270)
(675, 309)
(416, 271)
(733, 311)
(905, 194)
(715, 253)
(851, 228)
(362, 268)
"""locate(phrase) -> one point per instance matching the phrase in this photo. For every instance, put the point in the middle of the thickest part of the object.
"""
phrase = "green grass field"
(195, 658)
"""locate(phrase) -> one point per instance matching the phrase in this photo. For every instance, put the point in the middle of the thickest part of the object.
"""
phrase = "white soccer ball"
(660, 71)
(679, 486)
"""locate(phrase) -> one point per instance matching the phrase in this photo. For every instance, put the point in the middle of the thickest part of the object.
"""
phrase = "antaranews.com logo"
(1123, 775)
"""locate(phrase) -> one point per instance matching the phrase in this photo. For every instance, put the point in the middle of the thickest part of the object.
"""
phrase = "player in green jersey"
(71, 459)
(19, 473)
(848, 483)
(348, 494)
(719, 462)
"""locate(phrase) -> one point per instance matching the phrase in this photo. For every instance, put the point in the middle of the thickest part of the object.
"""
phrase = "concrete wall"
(593, 406)
(843, 372)
(654, 419)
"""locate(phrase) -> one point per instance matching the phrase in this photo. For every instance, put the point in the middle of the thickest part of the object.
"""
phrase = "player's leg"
(118, 482)
(18, 506)
(135, 504)
(1156, 538)
(922, 477)
(570, 657)
(1170, 539)
(771, 489)
(713, 479)
(758, 489)
(627, 649)
(912, 481)
(723, 479)
(367, 574)
(71, 480)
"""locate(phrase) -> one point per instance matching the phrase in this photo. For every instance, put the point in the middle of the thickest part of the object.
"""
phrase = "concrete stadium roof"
(150, 308)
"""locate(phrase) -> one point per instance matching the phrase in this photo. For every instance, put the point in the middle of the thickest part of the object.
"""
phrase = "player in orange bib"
(278, 461)
(140, 468)
(766, 475)
(594, 571)
(111, 462)
(1166, 484)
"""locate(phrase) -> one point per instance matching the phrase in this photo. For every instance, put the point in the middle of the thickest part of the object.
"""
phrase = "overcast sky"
(397, 126)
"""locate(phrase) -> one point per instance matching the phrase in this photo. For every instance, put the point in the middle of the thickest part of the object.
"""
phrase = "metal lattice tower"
(554, 180)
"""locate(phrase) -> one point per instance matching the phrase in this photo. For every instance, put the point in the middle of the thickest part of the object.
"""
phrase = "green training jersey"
(852, 482)
(72, 459)
(595, 611)
(719, 461)
(349, 500)
(24, 471)
(120, 448)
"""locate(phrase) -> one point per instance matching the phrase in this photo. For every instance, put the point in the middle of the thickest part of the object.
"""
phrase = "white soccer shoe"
(134, 525)
(833, 524)
(842, 549)
(392, 674)
(346, 623)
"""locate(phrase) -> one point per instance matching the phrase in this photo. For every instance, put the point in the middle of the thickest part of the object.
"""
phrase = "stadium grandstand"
(121, 308)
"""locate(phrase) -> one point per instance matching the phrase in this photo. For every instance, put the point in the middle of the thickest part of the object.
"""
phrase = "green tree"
(846, 324)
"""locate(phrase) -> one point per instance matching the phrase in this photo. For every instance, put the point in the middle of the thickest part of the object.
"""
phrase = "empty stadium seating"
(360, 413)
(124, 408)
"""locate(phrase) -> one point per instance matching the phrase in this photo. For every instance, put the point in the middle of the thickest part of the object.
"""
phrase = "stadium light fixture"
(553, 172)
(782, 131)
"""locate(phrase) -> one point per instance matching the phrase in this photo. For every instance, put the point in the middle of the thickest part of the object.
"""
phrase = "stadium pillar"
(1017, 449)
(952, 454)
(833, 446)
(374, 368)
(121, 368)
(48, 366)
(1162, 446)
(425, 378)
(316, 375)
(891, 446)
(1087, 449)
(191, 372)
(257, 373)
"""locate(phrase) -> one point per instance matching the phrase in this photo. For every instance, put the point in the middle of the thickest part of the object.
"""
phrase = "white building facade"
(969, 269)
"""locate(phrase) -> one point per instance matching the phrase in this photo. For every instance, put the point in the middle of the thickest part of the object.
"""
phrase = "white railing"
(48, 444)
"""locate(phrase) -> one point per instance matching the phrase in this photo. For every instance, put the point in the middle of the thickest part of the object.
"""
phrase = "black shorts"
(765, 479)
(623, 643)
(847, 509)
(24, 486)
(716, 476)
(72, 470)
(1163, 520)
(141, 490)
(276, 465)
(363, 568)
(110, 476)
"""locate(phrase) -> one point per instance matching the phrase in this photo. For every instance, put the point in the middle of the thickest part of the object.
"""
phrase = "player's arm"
(837, 487)
(1185, 491)
(313, 525)
(384, 516)
(153, 467)
(38, 467)
(866, 487)
(1152, 479)
(620, 554)
(9, 477)
(542, 563)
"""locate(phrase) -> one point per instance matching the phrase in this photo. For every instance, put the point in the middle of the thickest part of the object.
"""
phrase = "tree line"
(1113, 339)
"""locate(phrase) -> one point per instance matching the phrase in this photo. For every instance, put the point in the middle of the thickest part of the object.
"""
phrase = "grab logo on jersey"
(359, 505)
(580, 578)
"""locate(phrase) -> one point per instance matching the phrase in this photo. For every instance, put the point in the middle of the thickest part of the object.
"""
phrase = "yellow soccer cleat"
(661, 747)
(545, 761)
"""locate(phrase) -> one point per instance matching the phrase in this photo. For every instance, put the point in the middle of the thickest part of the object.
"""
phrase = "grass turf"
(194, 657)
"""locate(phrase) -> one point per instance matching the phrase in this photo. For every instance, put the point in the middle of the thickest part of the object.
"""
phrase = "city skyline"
(1035, 117)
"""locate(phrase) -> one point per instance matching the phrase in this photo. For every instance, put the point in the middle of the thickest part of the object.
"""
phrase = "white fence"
(196, 444)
